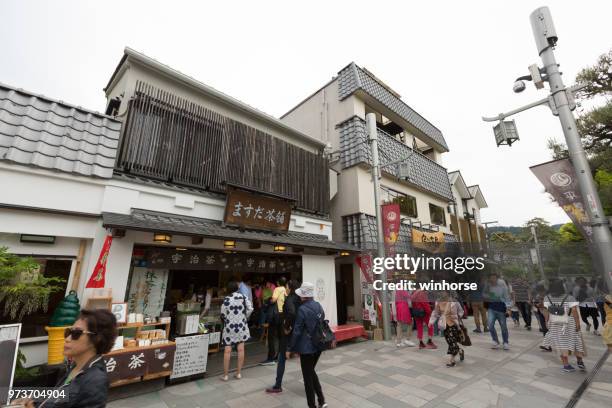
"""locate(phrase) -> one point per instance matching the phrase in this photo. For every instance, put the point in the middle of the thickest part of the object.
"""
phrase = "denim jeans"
(501, 317)
(280, 367)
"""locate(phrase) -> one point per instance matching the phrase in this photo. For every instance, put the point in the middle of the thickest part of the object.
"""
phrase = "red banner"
(97, 277)
(365, 264)
(391, 226)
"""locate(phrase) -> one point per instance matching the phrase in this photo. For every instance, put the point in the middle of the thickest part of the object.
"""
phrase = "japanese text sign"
(250, 210)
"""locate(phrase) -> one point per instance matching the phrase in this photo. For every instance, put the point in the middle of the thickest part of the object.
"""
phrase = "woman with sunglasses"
(85, 382)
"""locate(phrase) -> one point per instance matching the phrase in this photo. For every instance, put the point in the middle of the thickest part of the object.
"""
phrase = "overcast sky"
(452, 61)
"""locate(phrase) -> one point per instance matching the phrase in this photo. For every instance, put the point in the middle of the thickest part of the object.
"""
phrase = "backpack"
(323, 337)
(557, 312)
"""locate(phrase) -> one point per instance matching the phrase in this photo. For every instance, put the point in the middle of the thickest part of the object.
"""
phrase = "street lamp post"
(376, 174)
(561, 103)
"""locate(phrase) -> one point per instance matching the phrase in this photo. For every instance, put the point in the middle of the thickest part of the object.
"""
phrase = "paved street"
(374, 374)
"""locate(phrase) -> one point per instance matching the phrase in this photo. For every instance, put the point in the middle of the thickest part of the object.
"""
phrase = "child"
(514, 311)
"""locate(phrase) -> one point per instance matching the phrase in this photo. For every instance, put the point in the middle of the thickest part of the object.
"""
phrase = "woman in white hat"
(309, 315)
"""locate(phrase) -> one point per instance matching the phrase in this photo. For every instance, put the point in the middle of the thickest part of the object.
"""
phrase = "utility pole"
(561, 103)
(546, 38)
(539, 255)
(376, 174)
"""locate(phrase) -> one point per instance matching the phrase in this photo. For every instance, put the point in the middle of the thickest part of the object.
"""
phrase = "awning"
(144, 220)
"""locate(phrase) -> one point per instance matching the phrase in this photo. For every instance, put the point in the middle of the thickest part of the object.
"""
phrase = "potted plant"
(23, 291)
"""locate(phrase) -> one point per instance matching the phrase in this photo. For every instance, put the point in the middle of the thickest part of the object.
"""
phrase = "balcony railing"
(423, 172)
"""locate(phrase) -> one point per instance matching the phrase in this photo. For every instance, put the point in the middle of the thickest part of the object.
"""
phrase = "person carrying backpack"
(308, 340)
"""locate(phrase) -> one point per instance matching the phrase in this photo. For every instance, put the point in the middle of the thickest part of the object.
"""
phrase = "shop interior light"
(344, 253)
(166, 238)
(229, 244)
(180, 249)
(280, 248)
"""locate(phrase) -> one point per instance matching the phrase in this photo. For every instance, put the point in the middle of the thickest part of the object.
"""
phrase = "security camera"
(519, 86)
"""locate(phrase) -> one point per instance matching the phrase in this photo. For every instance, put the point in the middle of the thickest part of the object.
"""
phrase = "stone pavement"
(372, 374)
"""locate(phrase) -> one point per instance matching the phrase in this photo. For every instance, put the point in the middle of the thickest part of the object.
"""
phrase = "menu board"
(147, 291)
(191, 356)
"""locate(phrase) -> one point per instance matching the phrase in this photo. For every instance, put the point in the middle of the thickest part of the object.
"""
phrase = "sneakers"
(477, 330)
(495, 346)
(581, 365)
(274, 390)
(596, 333)
(422, 345)
(408, 343)
(528, 328)
(568, 368)
(430, 345)
(398, 344)
(324, 405)
(506, 346)
(267, 362)
(544, 348)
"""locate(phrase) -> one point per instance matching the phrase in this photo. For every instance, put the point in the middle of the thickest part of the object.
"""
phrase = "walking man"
(496, 293)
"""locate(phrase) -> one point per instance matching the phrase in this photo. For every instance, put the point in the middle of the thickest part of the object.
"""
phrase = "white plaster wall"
(26, 186)
(366, 197)
(321, 269)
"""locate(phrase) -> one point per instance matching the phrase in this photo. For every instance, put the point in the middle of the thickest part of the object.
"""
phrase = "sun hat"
(306, 290)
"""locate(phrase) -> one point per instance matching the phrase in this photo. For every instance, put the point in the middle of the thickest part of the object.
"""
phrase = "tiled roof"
(352, 79)
(424, 172)
(144, 220)
(42, 132)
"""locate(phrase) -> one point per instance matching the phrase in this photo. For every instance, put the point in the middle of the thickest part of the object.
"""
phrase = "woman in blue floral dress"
(235, 313)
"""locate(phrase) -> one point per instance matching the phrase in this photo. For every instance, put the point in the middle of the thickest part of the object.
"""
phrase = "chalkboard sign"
(191, 356)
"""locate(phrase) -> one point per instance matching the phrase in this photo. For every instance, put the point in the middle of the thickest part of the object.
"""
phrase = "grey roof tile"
(352, 79)
(146, 220)
(42, 132)
(424, 172)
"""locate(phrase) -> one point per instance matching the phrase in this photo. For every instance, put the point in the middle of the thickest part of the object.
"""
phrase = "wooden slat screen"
(171, 139)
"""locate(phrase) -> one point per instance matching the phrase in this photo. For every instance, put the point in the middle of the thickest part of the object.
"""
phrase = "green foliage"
(569, 233)
(22, 288)
(544, 231)
(603, 178)
(24, 373)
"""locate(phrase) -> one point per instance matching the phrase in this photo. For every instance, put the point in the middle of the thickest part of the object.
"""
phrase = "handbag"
(464, 337)
(418, 312)
(557, 312)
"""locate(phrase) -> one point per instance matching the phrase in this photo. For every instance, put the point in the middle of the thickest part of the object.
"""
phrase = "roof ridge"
(57, 101)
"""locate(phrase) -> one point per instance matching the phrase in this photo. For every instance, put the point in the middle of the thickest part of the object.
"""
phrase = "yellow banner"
(429, 241)
(427, 237)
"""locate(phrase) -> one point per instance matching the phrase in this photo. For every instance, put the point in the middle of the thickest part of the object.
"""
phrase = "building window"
(407, 203)
(437, 215)
(33, 325)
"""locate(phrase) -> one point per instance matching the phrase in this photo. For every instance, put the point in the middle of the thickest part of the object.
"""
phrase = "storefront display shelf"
(141, 348)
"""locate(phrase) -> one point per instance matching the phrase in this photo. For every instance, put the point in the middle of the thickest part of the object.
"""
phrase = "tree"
(569, 233)
(503, 236)
(23, 289)
(595, 125)
(544, 231)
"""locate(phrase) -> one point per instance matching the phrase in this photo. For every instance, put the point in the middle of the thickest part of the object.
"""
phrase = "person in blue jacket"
(308, 316)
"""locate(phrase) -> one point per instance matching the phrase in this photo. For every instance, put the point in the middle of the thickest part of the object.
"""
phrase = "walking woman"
(449, 312)
(235, 313)
(564, 325)
(583, 293)
(308, 317)
(421, 311)
(403, 317)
